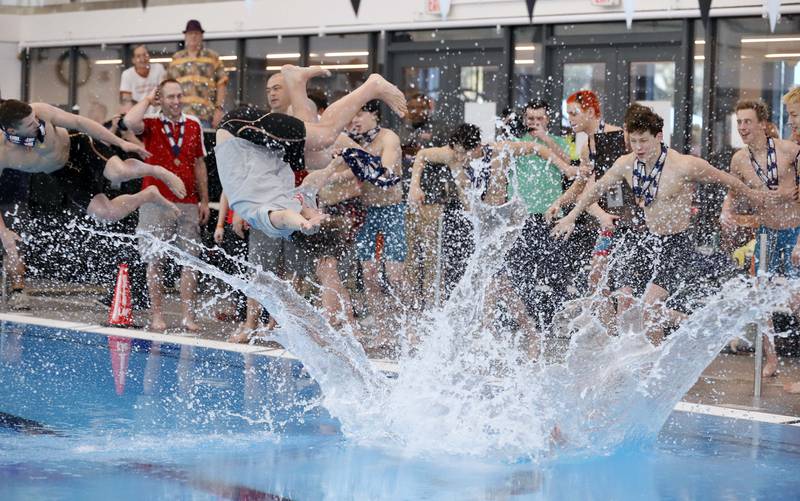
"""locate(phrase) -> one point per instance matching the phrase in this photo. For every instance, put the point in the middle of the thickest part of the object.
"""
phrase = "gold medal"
(176, 162)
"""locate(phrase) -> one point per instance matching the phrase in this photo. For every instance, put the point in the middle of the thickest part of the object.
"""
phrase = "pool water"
(87, 416)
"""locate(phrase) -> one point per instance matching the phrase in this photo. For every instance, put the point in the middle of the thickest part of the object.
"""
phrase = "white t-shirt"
(140, 87)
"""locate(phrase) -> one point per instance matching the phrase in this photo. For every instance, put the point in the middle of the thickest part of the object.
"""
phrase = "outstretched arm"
(61, 118)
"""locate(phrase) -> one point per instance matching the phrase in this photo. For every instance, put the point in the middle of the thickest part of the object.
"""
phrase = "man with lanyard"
(81, 155)
(663, 183)
(386, 214)
(767, 164)
(175, 141)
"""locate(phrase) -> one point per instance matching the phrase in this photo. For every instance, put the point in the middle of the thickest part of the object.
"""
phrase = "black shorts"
(273, 130)
(82, 176)
(336, 235)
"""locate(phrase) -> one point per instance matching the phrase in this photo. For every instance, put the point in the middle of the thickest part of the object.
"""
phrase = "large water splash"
(468, 386)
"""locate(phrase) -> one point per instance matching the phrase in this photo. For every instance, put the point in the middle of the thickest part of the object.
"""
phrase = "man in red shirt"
(175, 141)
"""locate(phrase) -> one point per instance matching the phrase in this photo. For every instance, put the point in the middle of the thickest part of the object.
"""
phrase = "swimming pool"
(93, 416)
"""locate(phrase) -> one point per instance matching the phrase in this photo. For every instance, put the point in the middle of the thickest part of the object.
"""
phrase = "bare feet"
(153, 196)
(770, 368)
(190, 324)
(173, 182)
(242, 335)
(299, 75)
(157, 323)
(389, 94)
(793, 388)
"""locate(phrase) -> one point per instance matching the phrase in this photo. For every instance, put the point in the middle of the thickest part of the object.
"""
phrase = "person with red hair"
(617, 213)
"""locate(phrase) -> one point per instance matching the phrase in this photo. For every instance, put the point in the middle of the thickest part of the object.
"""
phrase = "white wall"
(11, 73)
(272, 17)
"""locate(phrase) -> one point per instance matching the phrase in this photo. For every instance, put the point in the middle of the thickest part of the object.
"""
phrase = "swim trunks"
(82, 176)
(273, 130)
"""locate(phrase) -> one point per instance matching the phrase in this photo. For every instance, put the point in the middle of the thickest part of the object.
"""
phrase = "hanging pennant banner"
(630, 6)
(530, 4)
(356, 4)
(144, 4)
(444, 8)
(773, 8)
(705, 8)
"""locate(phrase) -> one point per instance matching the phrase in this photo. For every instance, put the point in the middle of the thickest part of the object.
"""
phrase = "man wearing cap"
(201, 75)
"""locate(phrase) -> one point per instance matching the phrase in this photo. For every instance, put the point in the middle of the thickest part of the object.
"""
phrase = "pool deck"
(726, 383)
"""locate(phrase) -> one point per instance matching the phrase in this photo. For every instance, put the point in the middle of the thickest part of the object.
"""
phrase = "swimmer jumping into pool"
(39, 138)
(259, 181)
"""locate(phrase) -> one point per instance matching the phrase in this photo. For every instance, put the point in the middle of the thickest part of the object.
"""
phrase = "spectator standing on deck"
(141, 79)
(202, 76)
(175, 141)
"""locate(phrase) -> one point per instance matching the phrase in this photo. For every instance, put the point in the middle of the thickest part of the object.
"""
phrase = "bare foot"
(793, 388)
(300, 75)
(242, 335)
(389, 94)
(770, 368)
(153, 196)
(157, 323)
(173, 182)
(190, 325)
(311, 226)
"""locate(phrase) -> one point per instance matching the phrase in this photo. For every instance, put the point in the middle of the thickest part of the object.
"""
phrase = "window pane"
(49, 78)
(99, 72)
(528, 66)
(753, 63)
(458, 34)
(227, 53)
(265, 56)
(582, 76)
(346, 56)
(653, 84)
(698, 70)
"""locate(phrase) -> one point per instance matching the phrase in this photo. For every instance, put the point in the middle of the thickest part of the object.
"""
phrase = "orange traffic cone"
(120, 314)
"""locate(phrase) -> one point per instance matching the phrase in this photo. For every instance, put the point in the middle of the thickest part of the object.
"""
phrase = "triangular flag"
(705, 8)
(120, 350)
(444, 8)
(629, 8)
(530, 4)
(144, 4)
(773, 8)
(356, 4)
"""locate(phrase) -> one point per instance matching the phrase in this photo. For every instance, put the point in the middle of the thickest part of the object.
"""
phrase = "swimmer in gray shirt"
(257, 152)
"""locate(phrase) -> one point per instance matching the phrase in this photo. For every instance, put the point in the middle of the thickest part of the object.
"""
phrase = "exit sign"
(441, 7)
(605, 3)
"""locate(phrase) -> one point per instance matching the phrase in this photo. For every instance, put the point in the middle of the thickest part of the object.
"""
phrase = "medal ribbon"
(367, 137)
(645, 187)
(169, 127)
(593, 154)
(770, 178)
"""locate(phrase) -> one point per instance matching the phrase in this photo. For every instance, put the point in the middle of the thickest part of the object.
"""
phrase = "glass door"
(620, 76)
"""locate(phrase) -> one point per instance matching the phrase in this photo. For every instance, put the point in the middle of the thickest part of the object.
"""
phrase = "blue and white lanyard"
(29, 142)
(480, 179)
(770, 178)
(645, 187)
(367, 137)
(181, 124)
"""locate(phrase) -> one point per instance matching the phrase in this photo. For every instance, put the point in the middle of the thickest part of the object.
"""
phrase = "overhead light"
(779, 55)
(161, 60)
(330, 67)
(344, 66)
(699, 42)
(231, 68)
(288, 55)
(699, 58)
(525, 48)
(769, 40)
(228, 58)
(524, 61)
(108, 61)
(347, 54)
